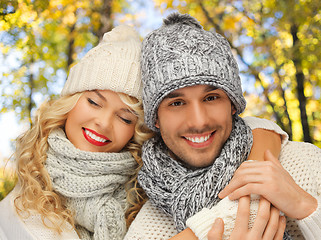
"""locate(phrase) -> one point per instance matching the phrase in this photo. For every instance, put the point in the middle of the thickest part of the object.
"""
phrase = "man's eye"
(176, 104)
(92, 102)
(210, 98)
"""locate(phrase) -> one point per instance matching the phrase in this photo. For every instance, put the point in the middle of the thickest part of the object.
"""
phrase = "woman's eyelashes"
(125, 120)
(92, 102)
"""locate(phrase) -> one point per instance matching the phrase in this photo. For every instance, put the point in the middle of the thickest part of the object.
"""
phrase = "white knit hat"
(112, 65)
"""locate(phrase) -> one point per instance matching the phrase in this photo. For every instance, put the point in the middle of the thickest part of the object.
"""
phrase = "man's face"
(195, 122)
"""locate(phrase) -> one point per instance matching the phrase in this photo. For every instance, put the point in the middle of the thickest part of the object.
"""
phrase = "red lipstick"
(102, 142)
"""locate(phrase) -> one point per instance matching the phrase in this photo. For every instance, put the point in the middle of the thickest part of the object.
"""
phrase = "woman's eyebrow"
(100, 95)
(129, 111)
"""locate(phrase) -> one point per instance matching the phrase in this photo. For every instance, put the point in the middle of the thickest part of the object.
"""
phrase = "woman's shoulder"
(13, 227)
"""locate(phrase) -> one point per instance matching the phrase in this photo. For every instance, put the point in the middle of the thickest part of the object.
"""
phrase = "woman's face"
(100, 122)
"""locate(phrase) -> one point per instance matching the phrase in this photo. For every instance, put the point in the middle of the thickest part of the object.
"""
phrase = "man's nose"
(197, 116)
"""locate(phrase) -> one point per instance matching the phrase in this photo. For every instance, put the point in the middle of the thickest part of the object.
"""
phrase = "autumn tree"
(40, 39)
(276, 44)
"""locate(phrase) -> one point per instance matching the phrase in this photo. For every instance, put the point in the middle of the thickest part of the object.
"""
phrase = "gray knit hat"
(181, 53)
(114, 64)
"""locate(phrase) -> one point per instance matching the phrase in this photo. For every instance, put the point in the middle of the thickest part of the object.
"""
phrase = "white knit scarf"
(93, 184)
(181, 192)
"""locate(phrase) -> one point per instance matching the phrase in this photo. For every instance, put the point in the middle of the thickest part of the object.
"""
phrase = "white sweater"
(13, 227)
(301, 160)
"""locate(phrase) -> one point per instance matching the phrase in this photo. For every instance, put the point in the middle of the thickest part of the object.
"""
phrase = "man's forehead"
(180, 91)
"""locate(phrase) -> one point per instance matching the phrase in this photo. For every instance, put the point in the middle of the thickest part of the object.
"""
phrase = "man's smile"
(199, 140)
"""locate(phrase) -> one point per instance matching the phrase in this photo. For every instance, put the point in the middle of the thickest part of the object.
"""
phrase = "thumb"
(217, 230)
(268, 156)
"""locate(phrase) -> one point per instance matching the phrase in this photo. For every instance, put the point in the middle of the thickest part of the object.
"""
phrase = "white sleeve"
(311, 225)
(254, 123)
(151, 223)
(226, 209)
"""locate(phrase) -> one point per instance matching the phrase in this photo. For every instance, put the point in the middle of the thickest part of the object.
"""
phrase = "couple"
(75, 166)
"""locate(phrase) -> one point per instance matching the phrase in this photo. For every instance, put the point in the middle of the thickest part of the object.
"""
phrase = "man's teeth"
(199, 139)
(95, 137)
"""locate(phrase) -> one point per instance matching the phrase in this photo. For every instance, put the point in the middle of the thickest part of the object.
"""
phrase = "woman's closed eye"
(92, 102)
(126, 120)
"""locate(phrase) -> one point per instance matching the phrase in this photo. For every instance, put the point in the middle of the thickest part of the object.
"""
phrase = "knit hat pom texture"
(112, 65)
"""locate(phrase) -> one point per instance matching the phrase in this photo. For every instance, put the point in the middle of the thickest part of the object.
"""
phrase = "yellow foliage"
(231, 21)
(8, 180)
(69, 18)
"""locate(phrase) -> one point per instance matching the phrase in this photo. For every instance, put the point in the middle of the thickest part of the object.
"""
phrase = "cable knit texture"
(181, 192)
(301, 160)
(181, 53)
(113, 64)
(93, 184)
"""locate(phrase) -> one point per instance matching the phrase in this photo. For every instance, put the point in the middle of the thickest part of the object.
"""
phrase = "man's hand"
(269, 179)
(268, 225)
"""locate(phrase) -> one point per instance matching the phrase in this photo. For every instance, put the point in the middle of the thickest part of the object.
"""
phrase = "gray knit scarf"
(182, 192)
(93, 184)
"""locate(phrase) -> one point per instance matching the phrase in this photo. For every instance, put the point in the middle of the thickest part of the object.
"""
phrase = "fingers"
(273, 224)
(243, 214)
(247, 172)
(217, 230)
(253, 174)
(251, 188)
(262, 219)
(281, 228)
(268, 156)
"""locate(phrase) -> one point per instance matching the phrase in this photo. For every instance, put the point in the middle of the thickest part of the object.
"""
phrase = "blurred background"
(276, 42)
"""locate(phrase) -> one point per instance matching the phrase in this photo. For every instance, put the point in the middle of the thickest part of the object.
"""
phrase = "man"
(192, 98)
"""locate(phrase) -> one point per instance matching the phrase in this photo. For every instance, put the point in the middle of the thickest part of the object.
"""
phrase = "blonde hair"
(136, 196)
(36, 192)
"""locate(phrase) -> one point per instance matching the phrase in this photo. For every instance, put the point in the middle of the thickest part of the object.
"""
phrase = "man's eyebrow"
(99, 95)
(176, 94)
(210, 88)
(173, 95)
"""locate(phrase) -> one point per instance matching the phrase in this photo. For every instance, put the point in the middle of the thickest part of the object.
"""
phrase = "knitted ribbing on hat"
(112, 65)
(93, 184)
(180, 54)
(181, 192)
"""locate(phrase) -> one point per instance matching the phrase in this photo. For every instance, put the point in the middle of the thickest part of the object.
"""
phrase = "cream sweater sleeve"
(311, 225)
(254, 123)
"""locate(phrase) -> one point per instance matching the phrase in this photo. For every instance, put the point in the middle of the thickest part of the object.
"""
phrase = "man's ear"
(157, 123)
(233, 109)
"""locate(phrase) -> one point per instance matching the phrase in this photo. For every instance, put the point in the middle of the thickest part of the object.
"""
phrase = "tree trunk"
(300, 85)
